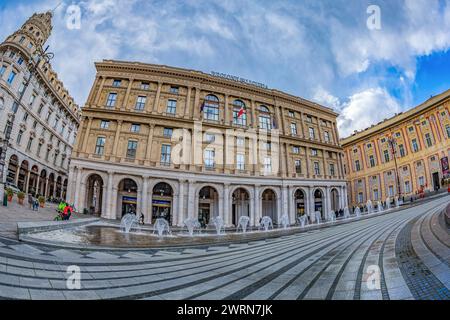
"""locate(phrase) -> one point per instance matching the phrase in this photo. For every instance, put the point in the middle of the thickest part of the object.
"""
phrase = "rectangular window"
(140, 103)
(167, 132)
(11, 77)
(2, 70)
(314, 152)
(447, 128)
(38, 153)
(100, 146)
(421, 181)
(264, 123)
(316, 168)
(240, 142)
(293, 129)
(375, 194)
(165, 154)
(209, 158)
(298, 167)
(267, 165)
(135, 128)
(291, 114)
(428, 139)
(295, 150)
(391, 191)
(32, 98)
(411, 129)
(117, 83)
(401, 149)
(131, 149)
(407, 187)
(112, 98)
(104, 124)
(309, 119)
(30, 144)
(372, 161)
(332, 172)
(22, 88)
(386, 156)
(357, 165)
(360, 197)
(174, 90)
(40, 109)
(19, 136)
(20, 61)
(171, 106)
(25, 117)
(210, 138)
(240, 161)
(312, 134)
(326, 136)
(415, 146)
(145, 85)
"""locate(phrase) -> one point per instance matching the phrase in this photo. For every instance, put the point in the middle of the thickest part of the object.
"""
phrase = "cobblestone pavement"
(402, 255)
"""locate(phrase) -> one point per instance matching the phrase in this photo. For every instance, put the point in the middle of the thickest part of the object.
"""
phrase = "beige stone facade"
(41, 114)
(168, 142)
(421, 146)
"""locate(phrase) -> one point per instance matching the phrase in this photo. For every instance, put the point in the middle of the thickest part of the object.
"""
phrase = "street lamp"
(393, 144)
(33, 64)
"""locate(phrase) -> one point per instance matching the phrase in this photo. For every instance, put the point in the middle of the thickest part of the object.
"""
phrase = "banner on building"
(444, 164)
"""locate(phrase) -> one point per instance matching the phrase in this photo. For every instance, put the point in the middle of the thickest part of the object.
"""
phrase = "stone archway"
(22, 180)
(241, 204)
(319, 203)
(51, 185)
(300, 202)
(34, 177)
(127, 197)
(334, 198)
(64, 191)
(94, 194)
(13, 168)
(162, 202)
(58, 187)
(42, 183)
(208, 205)
(269, 205)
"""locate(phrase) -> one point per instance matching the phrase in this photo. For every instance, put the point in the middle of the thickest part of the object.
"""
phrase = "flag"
(242, 110)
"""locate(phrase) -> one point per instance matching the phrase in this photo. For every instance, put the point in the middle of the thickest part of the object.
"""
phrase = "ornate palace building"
(39, 119)
(403, 155)
(175, 143)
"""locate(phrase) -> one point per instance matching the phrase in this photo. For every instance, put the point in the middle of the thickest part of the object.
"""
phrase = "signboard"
(444, 164)
(129, 200)
(161, 203)
(238, 79)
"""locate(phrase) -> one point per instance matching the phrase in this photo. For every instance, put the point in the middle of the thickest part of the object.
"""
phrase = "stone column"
(70, 186)
(86, 135)
(127, 95)
(99, 92)
(254, 120)
(77, 203)
(226, 111)
(28, 182)
(144, 206)
(148, 152)
(188, 102)
(256, 215)
(116, 138)
(311, 204)
(327, 201)
(109, 195)
(226, 205)
(308, 162)
(291, 205)
(196, 108)
(158, 94)
(181, 203)
(191, 199)
(284, 203)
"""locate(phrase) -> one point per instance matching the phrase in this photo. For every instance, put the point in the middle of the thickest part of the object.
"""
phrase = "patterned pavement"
(401, 255)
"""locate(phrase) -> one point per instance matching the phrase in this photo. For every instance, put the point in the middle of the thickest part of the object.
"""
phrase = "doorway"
(436, 183)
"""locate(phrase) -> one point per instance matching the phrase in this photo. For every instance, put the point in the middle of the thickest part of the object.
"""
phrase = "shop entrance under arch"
(162, 199)
(240, 205)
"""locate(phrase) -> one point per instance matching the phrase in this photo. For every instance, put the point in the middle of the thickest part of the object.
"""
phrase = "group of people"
(64, 211)
(33, 202)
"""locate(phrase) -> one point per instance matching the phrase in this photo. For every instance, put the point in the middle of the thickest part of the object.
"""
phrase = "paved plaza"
(401, 255)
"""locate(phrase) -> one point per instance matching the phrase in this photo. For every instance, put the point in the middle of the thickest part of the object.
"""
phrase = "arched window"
(211, 108)
(239, 113)
(2, 103)
(265, 118)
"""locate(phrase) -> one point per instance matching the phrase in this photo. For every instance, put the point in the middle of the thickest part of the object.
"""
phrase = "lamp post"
(33, 65)
(393, 143)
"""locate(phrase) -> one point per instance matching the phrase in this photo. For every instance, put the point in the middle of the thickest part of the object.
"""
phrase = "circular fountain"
(161, 226)
(346, 213)
(318, 217)
(380, 206)
(369, 207)
(331, 216)
(129, 222)
(357, 212)
(219, 225)
(191, 224)
(303, 220)
(243, 223)
(266, 223)
(285, 221)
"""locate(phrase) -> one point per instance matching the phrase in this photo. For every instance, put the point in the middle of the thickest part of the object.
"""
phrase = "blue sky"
(319, 50)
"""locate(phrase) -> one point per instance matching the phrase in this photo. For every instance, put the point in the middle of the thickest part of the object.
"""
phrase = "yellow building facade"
(402, 156)
(176, 143)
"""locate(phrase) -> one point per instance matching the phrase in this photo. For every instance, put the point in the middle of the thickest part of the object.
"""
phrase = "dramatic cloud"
(320, 50)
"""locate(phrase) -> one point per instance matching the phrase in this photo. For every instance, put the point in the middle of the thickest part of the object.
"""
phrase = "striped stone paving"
(401, 255)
